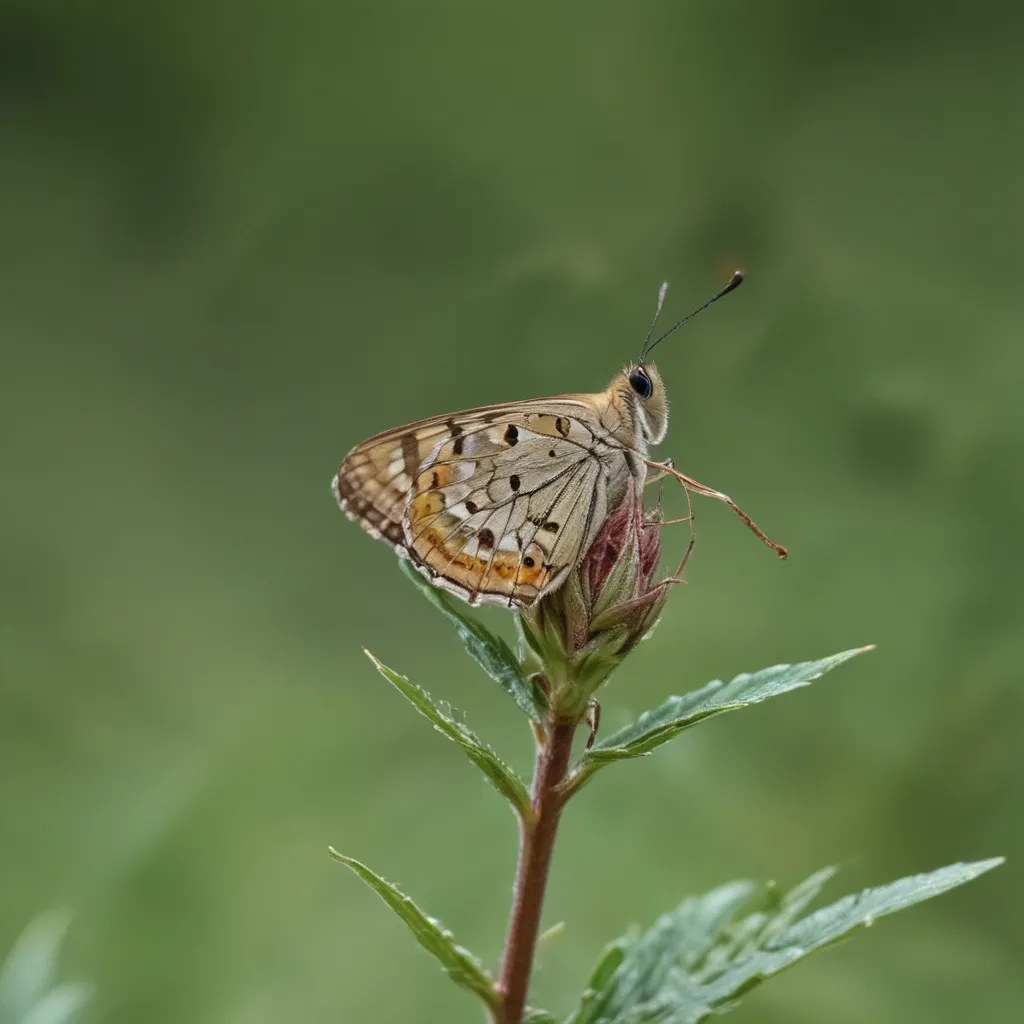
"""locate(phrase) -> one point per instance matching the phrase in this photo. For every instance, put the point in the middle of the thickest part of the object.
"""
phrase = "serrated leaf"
(678, 939)
(607, 964)
(490, 652)
(659, 725)
(457, 962)
(831, 923)
(698, 959)
(499, 774)
(788, 907)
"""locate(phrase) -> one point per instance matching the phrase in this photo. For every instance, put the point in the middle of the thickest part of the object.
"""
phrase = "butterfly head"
(643, 393)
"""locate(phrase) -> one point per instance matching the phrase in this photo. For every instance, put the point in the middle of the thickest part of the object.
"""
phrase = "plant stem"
(536, 845)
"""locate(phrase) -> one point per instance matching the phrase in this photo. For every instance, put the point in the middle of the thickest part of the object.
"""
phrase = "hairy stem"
(536, 845)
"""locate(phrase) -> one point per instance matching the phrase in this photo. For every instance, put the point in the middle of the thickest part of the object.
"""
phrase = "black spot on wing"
(392, 531)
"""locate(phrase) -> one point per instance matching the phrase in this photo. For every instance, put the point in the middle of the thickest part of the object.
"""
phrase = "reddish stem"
(536, 845)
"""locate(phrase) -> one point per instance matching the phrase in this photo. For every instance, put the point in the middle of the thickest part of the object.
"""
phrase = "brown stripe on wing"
(411, 457)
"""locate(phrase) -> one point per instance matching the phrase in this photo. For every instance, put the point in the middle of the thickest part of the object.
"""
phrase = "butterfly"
(498, 504)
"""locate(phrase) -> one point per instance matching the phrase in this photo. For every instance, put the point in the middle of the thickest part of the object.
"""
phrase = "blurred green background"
(239, 238)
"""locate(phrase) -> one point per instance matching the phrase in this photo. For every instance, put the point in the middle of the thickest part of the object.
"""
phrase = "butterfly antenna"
(734, 283)
(662, 291)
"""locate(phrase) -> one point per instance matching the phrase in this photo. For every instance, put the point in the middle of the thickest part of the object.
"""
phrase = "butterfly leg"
(667, 469)
(677, 577)
(663, 470)
(695, 487)
(658, 478)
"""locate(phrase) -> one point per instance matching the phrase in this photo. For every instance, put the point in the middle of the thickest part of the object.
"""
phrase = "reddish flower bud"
(577, 636)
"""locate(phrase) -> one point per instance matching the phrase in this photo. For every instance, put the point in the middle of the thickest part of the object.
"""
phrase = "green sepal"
(490, 652)
(660, 724)
(456, 961)
(591, 666)
(530, 648)
(499, 774)
(698, 959)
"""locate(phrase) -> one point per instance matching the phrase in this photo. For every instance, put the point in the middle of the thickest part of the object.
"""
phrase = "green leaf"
(499, 774)
(460, 965)
(607, 964)
(490, 652)
(698, 959)
(678, 939)
(662, 723)
(532, 1016)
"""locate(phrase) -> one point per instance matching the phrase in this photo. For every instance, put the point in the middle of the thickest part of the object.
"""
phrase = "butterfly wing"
(496, 505)
(372, 486)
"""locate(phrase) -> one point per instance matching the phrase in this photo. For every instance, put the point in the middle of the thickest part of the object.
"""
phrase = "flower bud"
(576, 636)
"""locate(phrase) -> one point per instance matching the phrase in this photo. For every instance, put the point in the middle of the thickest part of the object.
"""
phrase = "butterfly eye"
(641, 383)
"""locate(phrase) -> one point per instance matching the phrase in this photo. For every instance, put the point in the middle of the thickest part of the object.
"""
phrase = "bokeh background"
(239, 238)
